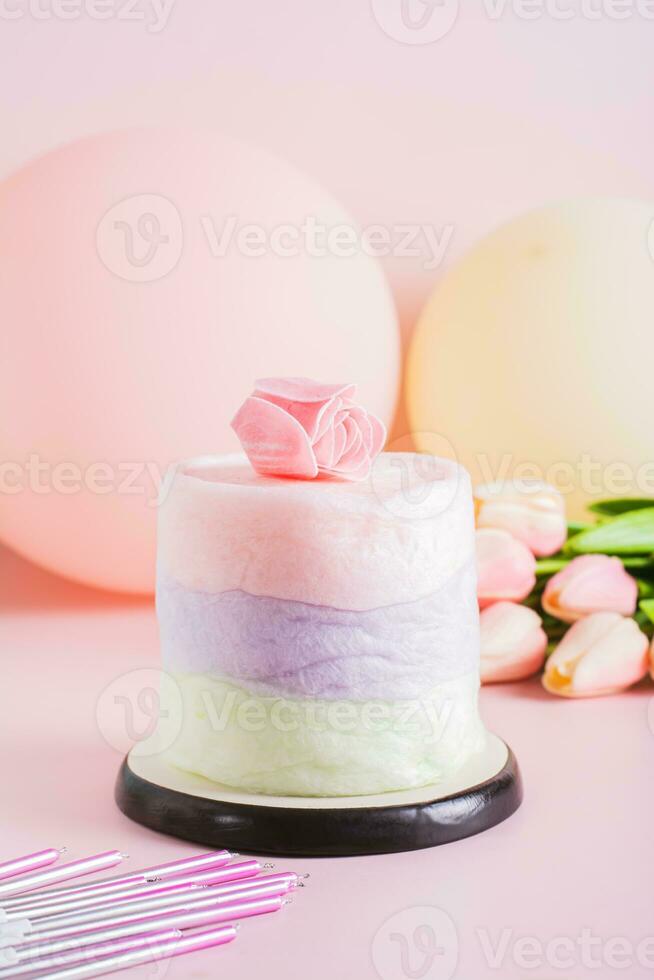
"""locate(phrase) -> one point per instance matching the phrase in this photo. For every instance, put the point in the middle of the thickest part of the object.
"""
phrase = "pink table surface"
(574, 862)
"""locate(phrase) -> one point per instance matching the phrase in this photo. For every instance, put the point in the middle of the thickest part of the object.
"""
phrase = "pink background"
(496, 117)
(467, 131)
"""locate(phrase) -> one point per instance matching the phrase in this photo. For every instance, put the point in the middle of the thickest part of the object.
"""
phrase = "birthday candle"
(143, 913)
(130, 892)
(160, 951)
(24, 926)
(199, 862)
(234, 872)
(126, 925)
(30, 862)
(241, 909)
(91, 901)
(64, 872)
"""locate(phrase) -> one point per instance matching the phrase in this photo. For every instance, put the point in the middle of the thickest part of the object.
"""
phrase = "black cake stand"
(485, 792)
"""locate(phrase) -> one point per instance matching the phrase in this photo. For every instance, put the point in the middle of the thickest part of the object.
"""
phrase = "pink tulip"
(532, 511)
(651, 660)
(512, 643)
(506, 569)
(590, 583)
(299, 428)
(601, 654)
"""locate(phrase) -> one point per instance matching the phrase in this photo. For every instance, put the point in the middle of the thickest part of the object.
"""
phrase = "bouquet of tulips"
(576, 598)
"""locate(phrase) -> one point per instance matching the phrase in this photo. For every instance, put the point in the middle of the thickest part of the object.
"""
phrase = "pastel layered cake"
(323, 629)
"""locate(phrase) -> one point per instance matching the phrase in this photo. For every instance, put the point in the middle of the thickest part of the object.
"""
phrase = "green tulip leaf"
(620, 505)
(647, 606)
(631, 533)
(644, 566)
(576, 527)
(550, 566)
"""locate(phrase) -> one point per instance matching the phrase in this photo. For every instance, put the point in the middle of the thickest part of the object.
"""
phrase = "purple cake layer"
(285, 648)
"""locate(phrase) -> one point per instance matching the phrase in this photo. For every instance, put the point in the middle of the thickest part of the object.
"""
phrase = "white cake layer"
(396, 537)
(304, 747)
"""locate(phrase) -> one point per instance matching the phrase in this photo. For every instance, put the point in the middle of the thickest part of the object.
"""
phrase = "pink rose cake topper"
(296, 427)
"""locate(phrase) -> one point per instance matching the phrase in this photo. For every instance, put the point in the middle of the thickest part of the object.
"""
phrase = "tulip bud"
(600, 654)
(590, 583)
(506, 569)
(531, 511)
(512, 643)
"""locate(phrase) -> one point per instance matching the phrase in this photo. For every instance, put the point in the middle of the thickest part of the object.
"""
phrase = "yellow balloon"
(534, 357)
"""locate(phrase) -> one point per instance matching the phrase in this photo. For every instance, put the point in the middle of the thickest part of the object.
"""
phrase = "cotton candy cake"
(323, 630)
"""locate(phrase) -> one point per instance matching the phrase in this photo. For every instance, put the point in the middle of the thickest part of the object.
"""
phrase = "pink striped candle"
(74, 869)
(86, 955)
(152, 954)
(29, 862)
(143, 913)
(200, 862)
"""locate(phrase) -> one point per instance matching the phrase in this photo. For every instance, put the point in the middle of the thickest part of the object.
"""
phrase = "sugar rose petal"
(302, 428)
(273, 440)
(302, 389)
(378, 435)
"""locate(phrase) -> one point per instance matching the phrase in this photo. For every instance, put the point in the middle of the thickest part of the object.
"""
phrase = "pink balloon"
(138, 308)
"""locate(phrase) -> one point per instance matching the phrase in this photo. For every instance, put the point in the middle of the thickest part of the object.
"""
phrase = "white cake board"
(484, 792)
